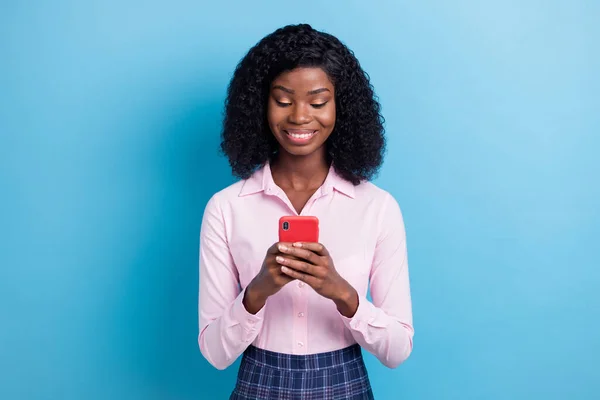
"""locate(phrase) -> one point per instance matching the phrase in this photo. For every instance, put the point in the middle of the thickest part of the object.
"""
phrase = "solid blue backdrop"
(109, 128)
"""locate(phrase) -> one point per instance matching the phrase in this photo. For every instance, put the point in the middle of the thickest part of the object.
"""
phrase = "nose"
(299, 115)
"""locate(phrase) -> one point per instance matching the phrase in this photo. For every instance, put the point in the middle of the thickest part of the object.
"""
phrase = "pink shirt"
(363, 229)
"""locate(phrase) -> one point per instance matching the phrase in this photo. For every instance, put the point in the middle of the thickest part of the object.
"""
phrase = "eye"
(282, 104)
(319, 105)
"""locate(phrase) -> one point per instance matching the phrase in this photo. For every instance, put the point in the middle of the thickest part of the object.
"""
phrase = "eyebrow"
(311, 92)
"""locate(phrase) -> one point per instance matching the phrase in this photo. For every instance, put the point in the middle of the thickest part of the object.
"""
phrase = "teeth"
(301, 135)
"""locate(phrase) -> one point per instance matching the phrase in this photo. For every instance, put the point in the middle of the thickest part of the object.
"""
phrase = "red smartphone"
(296, 228)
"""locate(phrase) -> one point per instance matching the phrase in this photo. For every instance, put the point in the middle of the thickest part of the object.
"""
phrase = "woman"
(303, 132)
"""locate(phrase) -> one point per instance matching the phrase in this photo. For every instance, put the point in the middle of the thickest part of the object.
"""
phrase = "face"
(301, 110)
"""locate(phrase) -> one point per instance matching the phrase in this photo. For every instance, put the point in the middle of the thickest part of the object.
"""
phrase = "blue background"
(109, 125)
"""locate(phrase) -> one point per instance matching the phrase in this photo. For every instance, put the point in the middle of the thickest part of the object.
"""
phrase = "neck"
(300, 172)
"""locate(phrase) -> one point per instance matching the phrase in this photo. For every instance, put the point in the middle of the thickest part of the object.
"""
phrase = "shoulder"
(235, 192)
(230, 192)
(370, 192)
(226, 196)
(387, 207)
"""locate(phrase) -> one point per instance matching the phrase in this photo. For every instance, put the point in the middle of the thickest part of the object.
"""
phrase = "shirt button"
(301, 314)
(300, 284)
(300, 344)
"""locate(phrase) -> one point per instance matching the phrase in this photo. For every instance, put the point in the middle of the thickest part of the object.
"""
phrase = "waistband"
(298, 362)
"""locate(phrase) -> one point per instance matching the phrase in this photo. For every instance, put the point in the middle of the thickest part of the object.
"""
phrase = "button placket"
(300, 301)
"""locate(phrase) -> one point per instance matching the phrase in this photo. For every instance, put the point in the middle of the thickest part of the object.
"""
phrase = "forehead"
(304, 79)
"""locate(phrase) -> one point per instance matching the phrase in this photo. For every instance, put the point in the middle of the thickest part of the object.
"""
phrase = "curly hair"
(356, 145)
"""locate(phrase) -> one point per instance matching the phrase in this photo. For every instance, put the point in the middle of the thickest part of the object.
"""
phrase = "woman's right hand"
(267, 282)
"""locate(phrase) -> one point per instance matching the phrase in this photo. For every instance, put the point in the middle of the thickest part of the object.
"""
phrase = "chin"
(299, 151)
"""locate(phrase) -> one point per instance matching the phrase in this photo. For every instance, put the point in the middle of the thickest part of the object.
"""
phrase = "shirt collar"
(262, 181)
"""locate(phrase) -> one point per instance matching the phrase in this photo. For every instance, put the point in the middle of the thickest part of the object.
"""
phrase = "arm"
(226, 327)
(384, 327)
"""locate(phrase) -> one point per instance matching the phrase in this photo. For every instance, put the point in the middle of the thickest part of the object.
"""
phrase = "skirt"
(266, 375)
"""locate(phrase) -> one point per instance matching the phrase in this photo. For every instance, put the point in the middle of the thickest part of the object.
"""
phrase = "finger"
(300, 253)
(273, 264)
(275, 248)
(300, 266)
(301, 276)
(316, 248)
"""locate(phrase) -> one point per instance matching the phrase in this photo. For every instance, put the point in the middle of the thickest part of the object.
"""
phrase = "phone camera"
(286, 226)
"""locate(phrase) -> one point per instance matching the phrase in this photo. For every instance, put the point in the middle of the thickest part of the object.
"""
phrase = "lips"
(300, 135)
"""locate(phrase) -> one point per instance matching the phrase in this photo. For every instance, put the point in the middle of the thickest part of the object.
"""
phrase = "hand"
(267, 282)
(311, 263)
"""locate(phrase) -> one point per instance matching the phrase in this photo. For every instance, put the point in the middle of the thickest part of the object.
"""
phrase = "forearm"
(225, 338)
(384, 336)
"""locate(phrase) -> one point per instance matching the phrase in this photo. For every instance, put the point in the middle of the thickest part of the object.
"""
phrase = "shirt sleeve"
(384, 327)
(226, 328)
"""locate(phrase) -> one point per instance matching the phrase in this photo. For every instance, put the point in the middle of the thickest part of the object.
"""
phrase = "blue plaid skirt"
(266, 375)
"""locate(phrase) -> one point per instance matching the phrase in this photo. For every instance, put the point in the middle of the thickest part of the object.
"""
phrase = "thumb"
(274, 249)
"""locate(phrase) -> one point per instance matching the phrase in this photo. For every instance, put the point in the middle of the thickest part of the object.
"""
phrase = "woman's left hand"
(314, 266)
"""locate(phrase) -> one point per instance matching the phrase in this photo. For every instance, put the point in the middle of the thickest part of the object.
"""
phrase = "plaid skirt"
(266, 375)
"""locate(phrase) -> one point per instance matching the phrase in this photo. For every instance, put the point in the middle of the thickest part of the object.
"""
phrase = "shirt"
(362, 228)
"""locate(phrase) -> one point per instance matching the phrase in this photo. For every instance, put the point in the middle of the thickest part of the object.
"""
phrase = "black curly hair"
(357, 144)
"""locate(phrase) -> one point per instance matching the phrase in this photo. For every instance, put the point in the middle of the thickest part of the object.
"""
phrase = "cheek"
(274, 116)
(327, 117)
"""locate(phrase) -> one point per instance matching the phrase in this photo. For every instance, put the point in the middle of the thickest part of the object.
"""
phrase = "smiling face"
(301, 110)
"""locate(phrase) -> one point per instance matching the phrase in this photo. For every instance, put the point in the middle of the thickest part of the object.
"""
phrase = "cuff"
(251, 323)
(366, 314)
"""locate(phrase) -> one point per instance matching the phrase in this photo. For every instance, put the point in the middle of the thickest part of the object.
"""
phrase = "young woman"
(303, 132)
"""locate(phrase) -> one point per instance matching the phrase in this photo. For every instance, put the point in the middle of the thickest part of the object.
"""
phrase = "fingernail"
(279, 259)
(297, 245)
(282, 248)
(284, 269)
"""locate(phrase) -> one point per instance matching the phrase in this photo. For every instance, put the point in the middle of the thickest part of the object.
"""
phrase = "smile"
(300, 134)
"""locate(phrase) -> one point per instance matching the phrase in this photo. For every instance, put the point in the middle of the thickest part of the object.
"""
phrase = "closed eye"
(319, 105)
(282, 104)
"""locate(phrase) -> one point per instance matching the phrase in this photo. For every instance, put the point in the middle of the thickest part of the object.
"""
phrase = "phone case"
(299, 229)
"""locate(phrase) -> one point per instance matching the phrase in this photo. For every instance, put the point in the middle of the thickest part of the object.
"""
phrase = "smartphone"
(297, 228)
